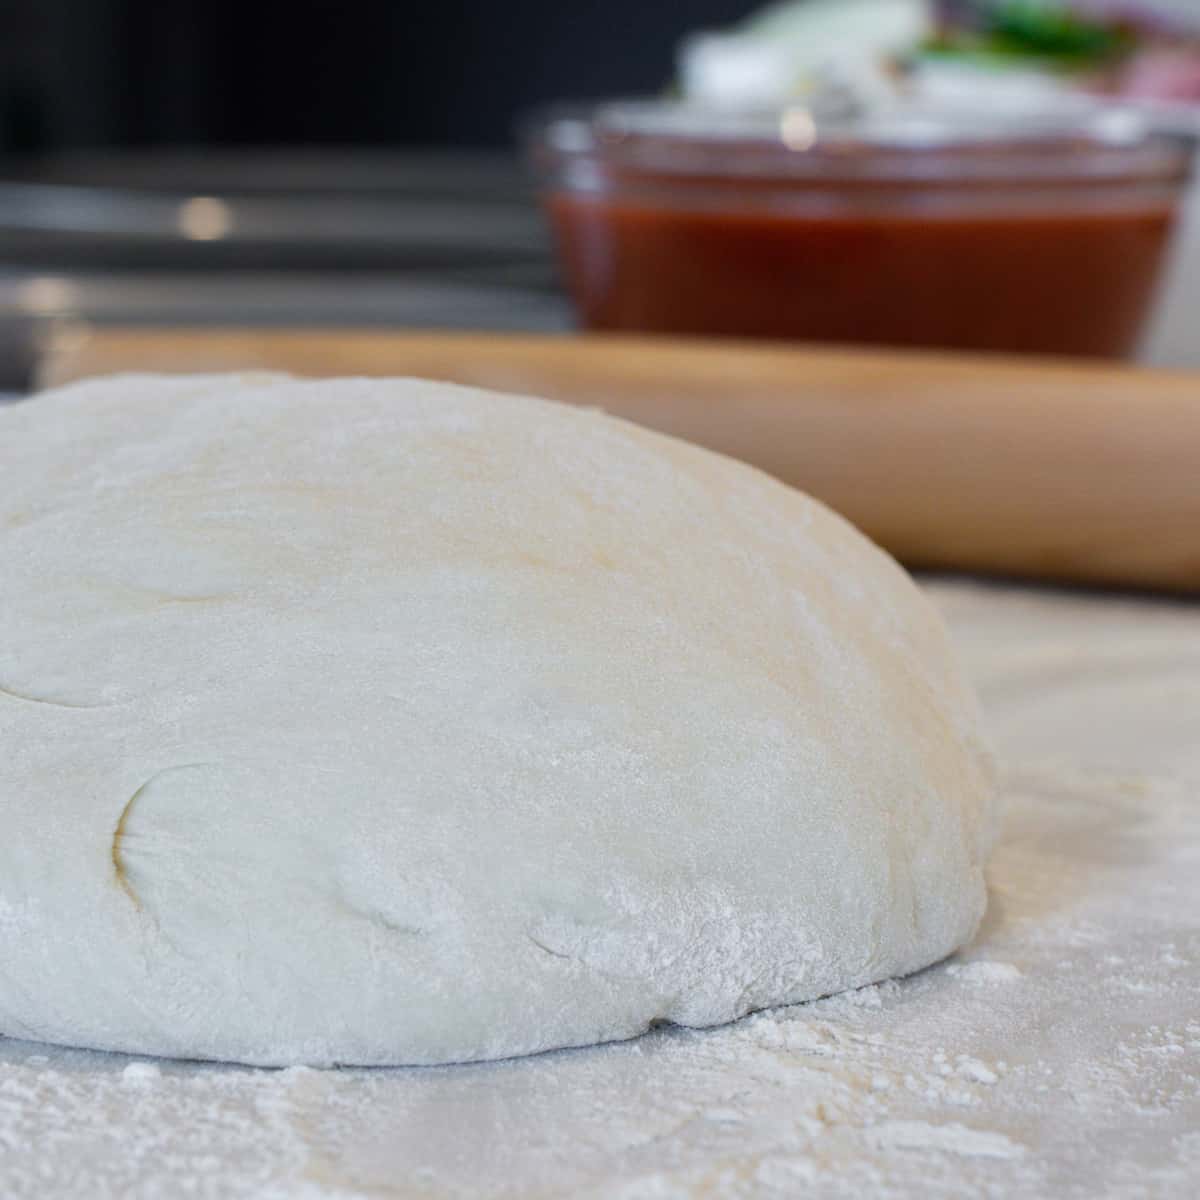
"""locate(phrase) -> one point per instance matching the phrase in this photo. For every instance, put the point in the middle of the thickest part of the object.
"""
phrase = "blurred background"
(124, 73)
(355, 162)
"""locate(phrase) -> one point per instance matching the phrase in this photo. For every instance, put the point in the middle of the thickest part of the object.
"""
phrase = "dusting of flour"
(1059, 1055)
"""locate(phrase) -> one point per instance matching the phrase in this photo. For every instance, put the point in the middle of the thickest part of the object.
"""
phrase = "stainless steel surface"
(430, 174)
(333, 238)
(501, 300)
(337, 210)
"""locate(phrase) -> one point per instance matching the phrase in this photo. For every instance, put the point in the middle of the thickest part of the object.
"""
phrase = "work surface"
(1059, 1055)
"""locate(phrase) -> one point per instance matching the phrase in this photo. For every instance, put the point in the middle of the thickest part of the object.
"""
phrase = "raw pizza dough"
(383, 721)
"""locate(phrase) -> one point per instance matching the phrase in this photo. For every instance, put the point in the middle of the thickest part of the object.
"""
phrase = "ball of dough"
(384, 721)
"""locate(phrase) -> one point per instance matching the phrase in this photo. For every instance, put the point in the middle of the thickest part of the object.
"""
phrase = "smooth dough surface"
(384, 721)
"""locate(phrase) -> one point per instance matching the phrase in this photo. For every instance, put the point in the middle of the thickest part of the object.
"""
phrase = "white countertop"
(1059, 1055)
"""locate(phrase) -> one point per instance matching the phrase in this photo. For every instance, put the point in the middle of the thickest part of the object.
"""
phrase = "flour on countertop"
(141, 1074)
(951, 1138)
(983, 972)
(1059, 1055)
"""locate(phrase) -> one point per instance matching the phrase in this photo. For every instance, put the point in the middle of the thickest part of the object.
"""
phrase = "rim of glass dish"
(671, 139)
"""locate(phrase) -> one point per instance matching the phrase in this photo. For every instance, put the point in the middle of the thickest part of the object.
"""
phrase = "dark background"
(114, 73)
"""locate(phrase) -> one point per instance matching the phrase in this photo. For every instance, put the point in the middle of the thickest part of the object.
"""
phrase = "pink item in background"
(1164, 73)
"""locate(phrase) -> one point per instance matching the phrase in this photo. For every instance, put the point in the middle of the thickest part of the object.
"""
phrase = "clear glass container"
(1044, 233)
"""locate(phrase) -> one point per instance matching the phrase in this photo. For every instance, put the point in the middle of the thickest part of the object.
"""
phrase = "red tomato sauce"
(1047, 278)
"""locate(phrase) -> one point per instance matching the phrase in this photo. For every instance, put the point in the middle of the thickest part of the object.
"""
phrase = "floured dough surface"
(383, 721)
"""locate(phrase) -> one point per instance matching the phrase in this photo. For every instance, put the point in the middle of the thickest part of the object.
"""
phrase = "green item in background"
(1055, 31)
(1050, 34)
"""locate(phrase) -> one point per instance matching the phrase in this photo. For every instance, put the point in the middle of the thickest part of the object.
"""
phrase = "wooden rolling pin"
(1049, 469)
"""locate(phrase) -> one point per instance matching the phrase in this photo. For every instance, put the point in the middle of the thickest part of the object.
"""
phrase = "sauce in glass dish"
(1047, 240)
